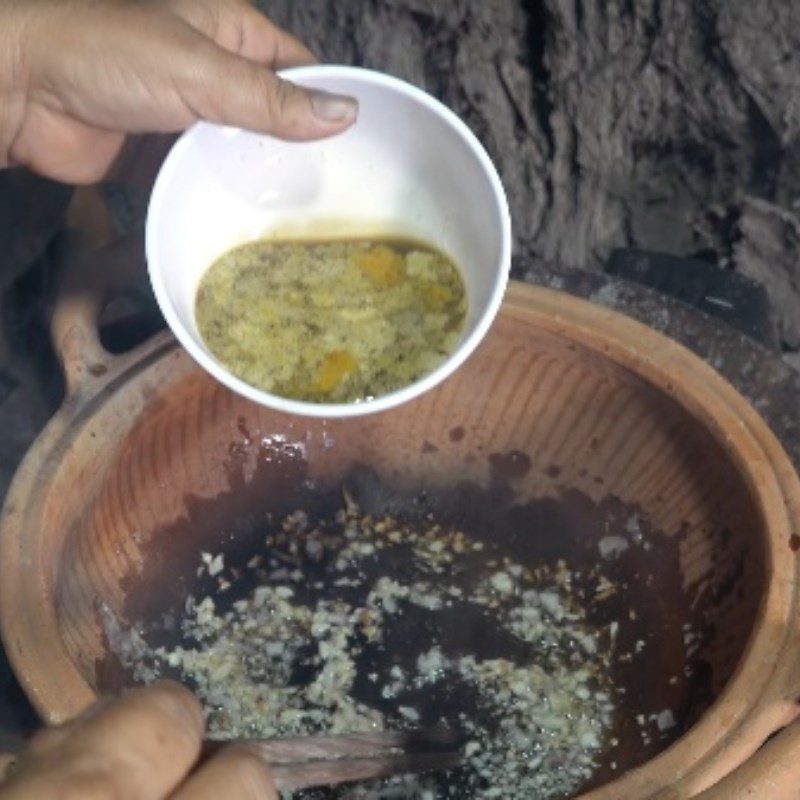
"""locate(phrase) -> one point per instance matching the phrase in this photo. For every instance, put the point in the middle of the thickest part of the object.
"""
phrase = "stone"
(659, 125)
(768, 250)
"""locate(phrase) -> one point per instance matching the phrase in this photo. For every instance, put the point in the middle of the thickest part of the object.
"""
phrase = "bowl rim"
(159, 199)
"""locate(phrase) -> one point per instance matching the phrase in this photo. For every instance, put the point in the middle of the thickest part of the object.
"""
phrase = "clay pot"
(617, 408)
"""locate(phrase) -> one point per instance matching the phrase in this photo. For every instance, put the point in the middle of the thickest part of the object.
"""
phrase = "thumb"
(233, 90)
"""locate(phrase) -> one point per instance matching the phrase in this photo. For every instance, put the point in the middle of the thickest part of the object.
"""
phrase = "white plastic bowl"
(408, 167)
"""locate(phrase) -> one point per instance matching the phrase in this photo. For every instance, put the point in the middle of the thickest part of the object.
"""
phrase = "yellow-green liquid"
(331, 322)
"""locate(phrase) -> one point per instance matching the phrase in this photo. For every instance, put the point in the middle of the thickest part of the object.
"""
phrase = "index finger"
(152, 737)
(140, 746)
(263, 41)
(238, 27)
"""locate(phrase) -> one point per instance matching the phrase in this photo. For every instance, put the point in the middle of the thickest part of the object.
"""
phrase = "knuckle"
(282, 96)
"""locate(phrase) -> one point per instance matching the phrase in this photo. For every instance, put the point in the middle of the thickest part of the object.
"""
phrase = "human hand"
(77, 75)
(139, 747)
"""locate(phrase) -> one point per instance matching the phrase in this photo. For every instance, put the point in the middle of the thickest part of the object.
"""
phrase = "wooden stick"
(329, 773)
(305, 761)
(289, 750)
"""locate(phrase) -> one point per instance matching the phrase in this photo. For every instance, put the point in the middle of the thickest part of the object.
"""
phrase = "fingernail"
(334, 107)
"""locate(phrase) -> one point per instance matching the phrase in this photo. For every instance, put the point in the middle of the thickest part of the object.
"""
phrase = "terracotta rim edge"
(748, 440)
(763, 462)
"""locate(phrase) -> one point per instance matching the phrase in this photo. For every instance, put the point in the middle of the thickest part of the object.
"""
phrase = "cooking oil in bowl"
(339, 321)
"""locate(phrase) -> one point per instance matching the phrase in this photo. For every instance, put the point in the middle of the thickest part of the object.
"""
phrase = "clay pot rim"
(761, 693)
